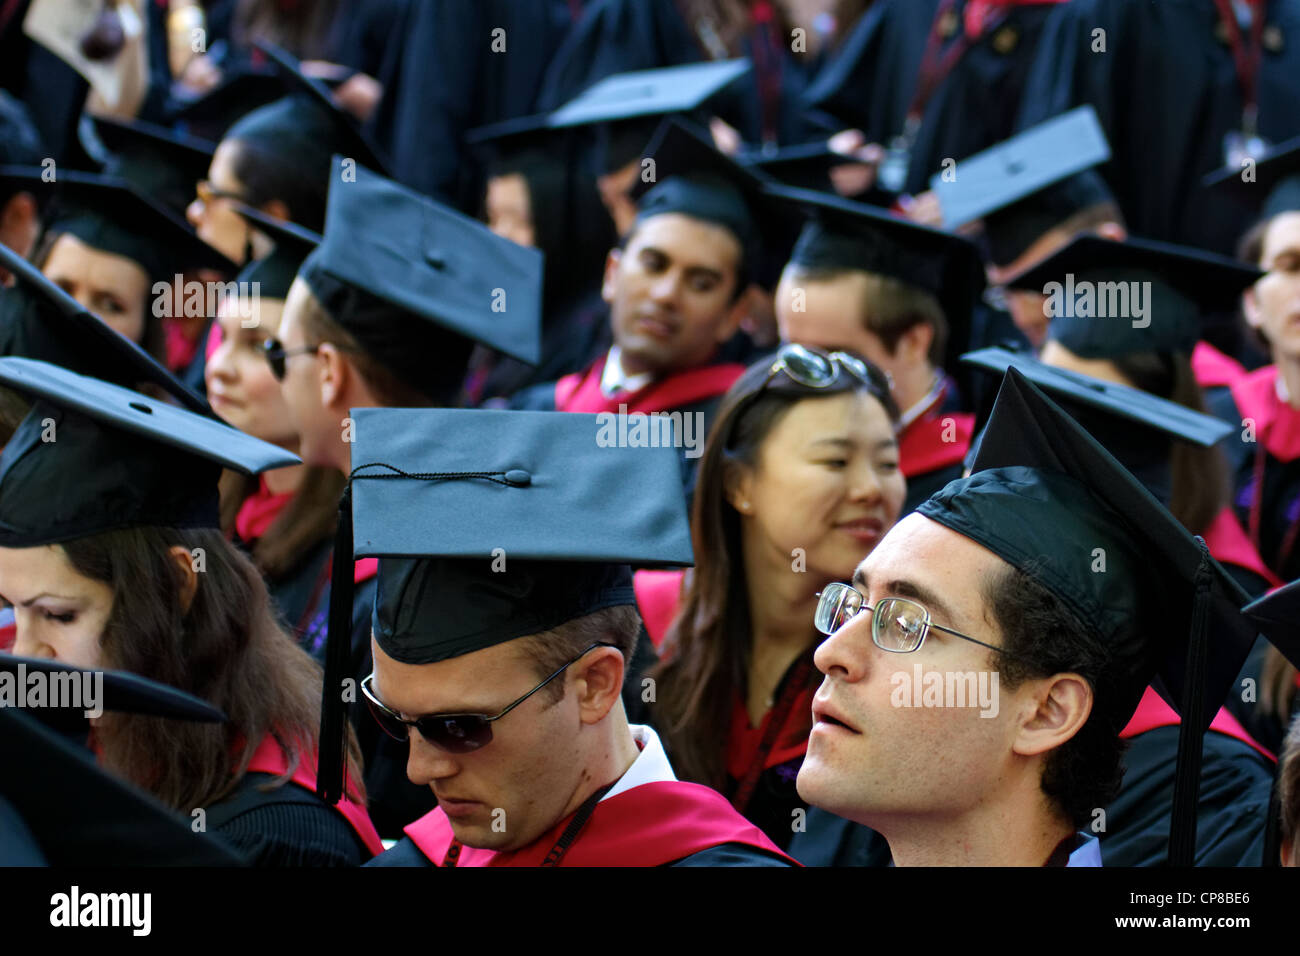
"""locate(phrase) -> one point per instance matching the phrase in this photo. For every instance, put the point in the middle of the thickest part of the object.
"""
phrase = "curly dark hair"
(1047, 638)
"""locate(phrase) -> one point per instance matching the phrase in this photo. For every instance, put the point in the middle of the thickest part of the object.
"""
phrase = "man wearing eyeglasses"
(1051, 567)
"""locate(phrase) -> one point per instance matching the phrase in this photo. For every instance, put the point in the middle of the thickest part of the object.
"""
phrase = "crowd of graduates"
(942, 343)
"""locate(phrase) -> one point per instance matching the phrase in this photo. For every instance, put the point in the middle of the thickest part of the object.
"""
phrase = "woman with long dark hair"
(111, 558)
(798, 482)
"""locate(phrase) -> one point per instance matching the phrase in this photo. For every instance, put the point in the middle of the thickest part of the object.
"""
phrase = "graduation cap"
(38, 320)
(91, 457)
(1134, 426)
(211, 114)
(312, 114)
(1044, 497)
(806, 166)
(439, 495)
(155, 160)
(847, 235)
(1275, 186)
(275, 271)
(414, 281)
(121, 691)
(1026, 185)
(20, 142)
(59, 808)
(106, 213)
(1092, 278)
(626, 109)
(693, 178)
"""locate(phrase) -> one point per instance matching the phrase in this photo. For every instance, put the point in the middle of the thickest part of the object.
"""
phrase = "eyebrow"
(881, 445)
(904, 588)
(706, 271)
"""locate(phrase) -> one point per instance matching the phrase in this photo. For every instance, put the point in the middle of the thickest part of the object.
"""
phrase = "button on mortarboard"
(38, 320)
(91, 457)
(1095, 287)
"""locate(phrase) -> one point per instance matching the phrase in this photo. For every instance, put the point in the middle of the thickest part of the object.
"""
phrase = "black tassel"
(1191, 736)
(338, 644)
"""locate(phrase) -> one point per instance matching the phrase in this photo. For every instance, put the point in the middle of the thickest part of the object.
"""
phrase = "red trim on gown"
(1212, 368)
(259, 511)
(650, 825)
(921, 448)
(580, 391)
(1277, 425)
(1229, 544)
(657, 595)
(791, 741)
(1153, 712)
(270, 758)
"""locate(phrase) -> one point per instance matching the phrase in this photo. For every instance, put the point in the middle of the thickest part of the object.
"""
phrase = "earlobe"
(1250, 308)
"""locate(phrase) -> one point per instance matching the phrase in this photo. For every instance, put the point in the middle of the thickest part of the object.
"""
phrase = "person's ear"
(598, 680)
(1250, 309)
(276, 209)
(185, 560)
(913, 345)
(609, 282)
(738, 487)
(1111, 230)
(736, 314)
(334, 372)
(20, 223)
(1051, 711)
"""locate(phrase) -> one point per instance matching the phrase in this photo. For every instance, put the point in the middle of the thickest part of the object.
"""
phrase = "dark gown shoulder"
(828, 840)
(286, 826)
(732, 854)
(403, 853)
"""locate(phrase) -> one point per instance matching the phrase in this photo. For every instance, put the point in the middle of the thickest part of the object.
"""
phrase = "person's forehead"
(695, 242)
(932, 556)
(72, 258)
(1283, 235)
(477, 681)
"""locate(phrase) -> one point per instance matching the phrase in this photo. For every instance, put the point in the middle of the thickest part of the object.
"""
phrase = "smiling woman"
(798, 482)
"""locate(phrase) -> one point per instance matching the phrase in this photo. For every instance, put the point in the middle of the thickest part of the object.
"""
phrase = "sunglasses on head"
(454, 733)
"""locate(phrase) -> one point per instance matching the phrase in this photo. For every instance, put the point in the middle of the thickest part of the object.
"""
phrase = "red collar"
(650, 825)
(259, 511)
(1153, 712)
(580, 392)
(1277, 425)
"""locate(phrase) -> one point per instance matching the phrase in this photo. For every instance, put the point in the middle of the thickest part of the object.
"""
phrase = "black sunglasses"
(454, 733)
(276, 354)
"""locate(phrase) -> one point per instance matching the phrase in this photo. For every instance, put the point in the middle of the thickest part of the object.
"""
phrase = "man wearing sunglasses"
(1052, 568)
(500, 654)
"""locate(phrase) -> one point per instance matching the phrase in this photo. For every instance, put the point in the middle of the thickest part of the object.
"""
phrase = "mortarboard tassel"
(1191, 730)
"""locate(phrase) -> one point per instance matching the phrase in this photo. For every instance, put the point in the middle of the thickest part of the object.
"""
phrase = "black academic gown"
(1166, 93)
(444, 78)
(53, 91)
(1231, 810)
(618, 36)
(406, 853)
(871, 81)
(287, 826)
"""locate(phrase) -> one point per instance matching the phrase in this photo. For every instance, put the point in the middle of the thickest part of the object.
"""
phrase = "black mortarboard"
(1049, 500)
(312, 111)
(91, 457)
(106, 213)
(626, 108)
(1027, 184)
(20, 142)
(1134, 426)
(121, 691)
(1275, 186)
(38, 320)
(845, 235)
(275, 272)
(156, 161)
(806, 166)
(1277, 616)
(491, 525)
(1092, 278)
(211, 114)
(61, 809)
(414, 281)
(690, 176)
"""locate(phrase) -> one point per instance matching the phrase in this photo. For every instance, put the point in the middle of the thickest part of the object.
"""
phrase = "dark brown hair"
(707, 646)
(385, 385)
(302, 28)
(1199, 486)
(1288, 789)
(307, 520)
(890, 307)
(1085, 772)
(551, 650)
(225, 647)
